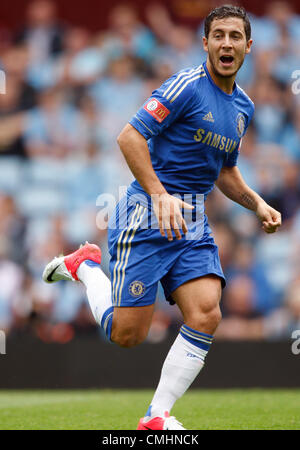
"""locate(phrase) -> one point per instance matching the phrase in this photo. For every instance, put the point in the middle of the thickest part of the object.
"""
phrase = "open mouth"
(227, 61)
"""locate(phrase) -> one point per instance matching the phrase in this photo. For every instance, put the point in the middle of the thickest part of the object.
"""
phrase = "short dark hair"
(228, 11)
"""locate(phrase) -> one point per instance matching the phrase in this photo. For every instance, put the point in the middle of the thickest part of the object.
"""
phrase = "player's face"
(227, 46)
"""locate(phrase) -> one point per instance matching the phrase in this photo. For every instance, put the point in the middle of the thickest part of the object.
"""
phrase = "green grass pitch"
(254, 409)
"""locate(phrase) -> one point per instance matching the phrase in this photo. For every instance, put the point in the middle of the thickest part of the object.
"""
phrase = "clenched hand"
(269, 217)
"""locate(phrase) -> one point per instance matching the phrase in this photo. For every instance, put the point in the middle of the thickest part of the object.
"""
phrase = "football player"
(184, 139)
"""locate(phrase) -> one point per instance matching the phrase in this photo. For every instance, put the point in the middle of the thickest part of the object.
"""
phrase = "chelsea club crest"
(137, 288)
(240, 121)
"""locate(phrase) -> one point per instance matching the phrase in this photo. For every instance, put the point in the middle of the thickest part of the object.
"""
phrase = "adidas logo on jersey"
(209, 117)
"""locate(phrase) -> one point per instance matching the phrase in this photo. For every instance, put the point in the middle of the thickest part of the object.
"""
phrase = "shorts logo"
(157, 110)
(137, 288)
(240, 120)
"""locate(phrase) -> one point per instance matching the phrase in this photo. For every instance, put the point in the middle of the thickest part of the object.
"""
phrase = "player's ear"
(205, 46)
(248, 46)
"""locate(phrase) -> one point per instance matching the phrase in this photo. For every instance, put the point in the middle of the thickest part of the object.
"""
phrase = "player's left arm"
(232, 184)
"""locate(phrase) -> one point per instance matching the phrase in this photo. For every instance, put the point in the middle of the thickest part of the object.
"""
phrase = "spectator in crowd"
(12, 117)
(243, 263)
(290, 138)
(239, 321)
(181, 50)
(52, 129)
(93, 123)
(270, 111)
(43, 36)
(12, 228)
(43, 32)
(126, 35)
(15, 64)
(285, 319)
(11, 276)
(119, 93)
(82, 62)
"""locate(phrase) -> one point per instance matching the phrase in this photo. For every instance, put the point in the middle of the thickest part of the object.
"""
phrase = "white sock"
(182, 365)
(98, 289)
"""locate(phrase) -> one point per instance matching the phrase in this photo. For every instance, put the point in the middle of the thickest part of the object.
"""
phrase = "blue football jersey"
(193, 129)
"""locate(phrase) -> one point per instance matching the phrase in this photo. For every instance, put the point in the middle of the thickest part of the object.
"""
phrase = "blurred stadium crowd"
(68, 95)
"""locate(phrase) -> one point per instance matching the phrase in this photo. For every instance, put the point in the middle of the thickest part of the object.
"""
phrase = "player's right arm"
(135, 150)
(166, 207)
(167, 103)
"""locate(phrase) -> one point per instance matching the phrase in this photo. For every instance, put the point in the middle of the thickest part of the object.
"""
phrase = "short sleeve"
(163, 108)
(232, 156)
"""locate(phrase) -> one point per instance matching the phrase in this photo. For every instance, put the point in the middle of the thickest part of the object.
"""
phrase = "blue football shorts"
(141, 257)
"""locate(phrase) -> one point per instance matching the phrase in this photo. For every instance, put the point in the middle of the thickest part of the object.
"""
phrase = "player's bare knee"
(122, 339)
(215, 316)
(212, 314)
(128, 339)
(129, 342)
(204, 319)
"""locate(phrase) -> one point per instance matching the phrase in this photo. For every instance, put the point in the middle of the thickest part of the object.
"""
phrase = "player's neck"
(224, 83)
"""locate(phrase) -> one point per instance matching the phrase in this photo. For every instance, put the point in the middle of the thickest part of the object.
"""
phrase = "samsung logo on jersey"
(215, 140)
